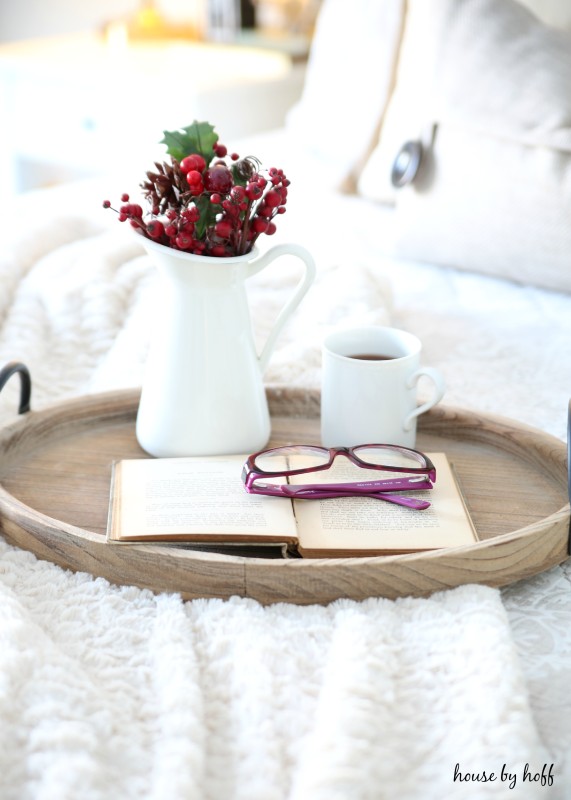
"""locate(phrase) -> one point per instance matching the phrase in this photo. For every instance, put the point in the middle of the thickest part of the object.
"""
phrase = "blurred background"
(87, 88)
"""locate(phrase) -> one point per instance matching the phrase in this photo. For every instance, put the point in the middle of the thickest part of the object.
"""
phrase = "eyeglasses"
(415, 471)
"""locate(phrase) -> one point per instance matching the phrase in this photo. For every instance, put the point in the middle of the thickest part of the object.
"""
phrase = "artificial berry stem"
(217, 207)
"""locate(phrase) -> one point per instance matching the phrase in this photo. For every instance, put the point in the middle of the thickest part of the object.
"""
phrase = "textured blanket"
(112, 691)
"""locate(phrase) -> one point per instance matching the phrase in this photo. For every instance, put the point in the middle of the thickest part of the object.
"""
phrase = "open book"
(203, 500)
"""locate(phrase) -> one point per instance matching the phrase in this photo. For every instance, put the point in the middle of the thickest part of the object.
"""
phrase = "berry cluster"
(215, 206)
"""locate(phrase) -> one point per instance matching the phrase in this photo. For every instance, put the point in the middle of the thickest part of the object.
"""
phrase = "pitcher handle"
(301, 289)
(25, 383)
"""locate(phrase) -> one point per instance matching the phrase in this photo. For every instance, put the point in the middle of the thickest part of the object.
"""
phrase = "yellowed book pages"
(193, 499)
(367, 526)
(204, 500)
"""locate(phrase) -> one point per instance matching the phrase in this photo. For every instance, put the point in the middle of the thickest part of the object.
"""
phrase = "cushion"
(552, 12)
(484, 86)
(349, 77)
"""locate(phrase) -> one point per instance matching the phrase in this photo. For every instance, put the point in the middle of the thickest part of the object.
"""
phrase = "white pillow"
(485, 86)
(552, 12)
(349, 77)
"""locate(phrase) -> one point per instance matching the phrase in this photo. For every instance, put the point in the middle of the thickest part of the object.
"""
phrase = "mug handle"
(300, 291)
(439, 389)
(25, 383)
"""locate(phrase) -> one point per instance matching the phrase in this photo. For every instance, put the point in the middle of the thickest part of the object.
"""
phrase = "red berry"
(281, 210)
(218, 250)
(155, 229)
(218, 179)
(237, 194)
(221, 150)
(234, 156)
(191, 213)
(232, 210)
(223, 228)
(271, 228)
(273, 199)
(184, 241)
(215, 198)
(194, 177)
(124, 198)
(259, 225)
(253, 191)
(196, 189)
(193, 162)
(106, 204)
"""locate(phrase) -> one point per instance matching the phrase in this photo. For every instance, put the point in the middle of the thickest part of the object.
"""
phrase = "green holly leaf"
(199, 137)
(207, 215)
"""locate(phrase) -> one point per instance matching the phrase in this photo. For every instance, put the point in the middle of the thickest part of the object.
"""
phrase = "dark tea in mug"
(372, 357)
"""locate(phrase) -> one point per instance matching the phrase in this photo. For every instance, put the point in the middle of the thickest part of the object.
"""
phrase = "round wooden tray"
(55, 469)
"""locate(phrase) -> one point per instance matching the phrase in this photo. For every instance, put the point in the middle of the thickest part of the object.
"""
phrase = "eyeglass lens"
(310, 457)
(389, 457)
(282, 458)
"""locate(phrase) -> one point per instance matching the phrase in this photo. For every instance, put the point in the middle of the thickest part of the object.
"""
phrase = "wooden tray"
(55, 468)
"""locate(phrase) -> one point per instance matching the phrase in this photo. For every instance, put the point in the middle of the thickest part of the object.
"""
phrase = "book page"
(362, 525)
(194, 499)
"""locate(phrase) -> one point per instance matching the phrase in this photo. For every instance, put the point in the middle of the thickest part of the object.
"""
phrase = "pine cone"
(167, 187)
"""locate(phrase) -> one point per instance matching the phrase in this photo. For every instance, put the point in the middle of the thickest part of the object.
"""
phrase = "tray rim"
(21, 522)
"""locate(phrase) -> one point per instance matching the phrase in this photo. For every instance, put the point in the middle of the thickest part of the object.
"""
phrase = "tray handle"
(25, 383)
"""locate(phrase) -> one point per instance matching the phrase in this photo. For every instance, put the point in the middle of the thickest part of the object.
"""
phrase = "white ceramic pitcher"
(203, 392)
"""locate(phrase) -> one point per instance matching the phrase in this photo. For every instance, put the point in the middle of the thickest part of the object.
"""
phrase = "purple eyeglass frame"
(380, 490)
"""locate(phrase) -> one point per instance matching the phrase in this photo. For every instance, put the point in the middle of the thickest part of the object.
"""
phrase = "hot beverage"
(372, 357)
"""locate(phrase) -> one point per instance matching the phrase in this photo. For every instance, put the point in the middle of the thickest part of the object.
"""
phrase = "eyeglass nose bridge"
(343, 451)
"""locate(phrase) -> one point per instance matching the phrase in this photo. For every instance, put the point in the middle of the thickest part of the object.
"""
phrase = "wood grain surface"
(55, 471)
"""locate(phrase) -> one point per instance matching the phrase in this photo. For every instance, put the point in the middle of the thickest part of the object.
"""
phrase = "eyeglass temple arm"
(317, 493)
(383, 485)
(366, 487)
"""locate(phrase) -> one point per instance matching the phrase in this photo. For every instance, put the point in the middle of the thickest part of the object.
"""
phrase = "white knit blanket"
(112, 691)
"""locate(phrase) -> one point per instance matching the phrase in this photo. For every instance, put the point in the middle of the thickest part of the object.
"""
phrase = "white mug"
(368, 391)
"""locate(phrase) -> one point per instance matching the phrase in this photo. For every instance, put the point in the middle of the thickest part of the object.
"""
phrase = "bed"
(113, 691)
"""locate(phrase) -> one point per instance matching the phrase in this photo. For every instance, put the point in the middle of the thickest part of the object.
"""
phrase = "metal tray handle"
(25, 383)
